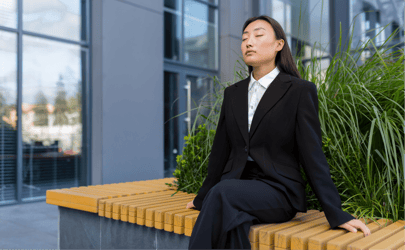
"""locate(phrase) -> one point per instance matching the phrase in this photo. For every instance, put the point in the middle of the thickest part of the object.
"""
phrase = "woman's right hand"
(190, 204)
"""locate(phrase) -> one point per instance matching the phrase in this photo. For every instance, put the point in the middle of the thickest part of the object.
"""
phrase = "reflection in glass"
(288, 18)
(200, 86)
(319, 33)
(370, 18)
(278, 12)
(172, 29)
(200, 35)
(379, 31)
(171, 125)
(173, 4)
(60, 18)
(8, 113)
(51, 115)
(211, 1)
(8, 13)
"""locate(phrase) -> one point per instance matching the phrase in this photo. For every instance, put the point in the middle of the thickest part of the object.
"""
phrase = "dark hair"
(284, 59)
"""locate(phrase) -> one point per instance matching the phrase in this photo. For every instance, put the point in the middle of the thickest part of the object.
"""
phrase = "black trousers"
(232, 206)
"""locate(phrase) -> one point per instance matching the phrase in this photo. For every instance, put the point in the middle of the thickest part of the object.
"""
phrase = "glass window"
(173, 4)
(200, 25)
(8, 13)
(288, 18)
(363, 27)
(54, 73)
(200, 86)
(59, 18)
(367, 25)
(319, 26)
(395, 26)
(172, 29)
(200, 35)
(52, 117)
(211, 1)
(171, 125)
(278, 12)
(372, 17)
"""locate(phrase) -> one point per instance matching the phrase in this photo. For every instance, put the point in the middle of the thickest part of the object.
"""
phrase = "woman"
(268, 127)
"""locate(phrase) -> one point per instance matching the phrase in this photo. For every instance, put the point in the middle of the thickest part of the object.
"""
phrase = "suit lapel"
(272, 94)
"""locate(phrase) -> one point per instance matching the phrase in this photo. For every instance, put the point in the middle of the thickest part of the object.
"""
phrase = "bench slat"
(150, 203)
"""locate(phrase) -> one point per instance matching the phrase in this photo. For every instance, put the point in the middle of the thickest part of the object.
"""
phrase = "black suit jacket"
(285, 134)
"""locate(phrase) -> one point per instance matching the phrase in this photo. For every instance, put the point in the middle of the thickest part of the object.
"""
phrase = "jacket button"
(245, 148)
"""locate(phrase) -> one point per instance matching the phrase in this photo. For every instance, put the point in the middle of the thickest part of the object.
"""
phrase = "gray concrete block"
(78, 229)
(84, 230)
(125, 235)
(169, 240)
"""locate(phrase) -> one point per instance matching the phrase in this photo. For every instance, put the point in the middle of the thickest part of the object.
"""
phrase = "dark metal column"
(19, 105)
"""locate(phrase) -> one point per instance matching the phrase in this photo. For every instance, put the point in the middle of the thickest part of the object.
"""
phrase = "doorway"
(183, 93)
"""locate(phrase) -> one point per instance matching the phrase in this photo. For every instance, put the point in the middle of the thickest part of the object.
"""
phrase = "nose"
(248, 43)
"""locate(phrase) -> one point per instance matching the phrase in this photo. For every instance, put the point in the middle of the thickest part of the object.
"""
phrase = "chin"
(249, 62)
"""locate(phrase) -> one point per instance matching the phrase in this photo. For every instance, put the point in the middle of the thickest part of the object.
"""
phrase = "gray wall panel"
(151, 5)
(238, 15)
(127, 133)
(233, 14)
(97, 91)
(132, 99)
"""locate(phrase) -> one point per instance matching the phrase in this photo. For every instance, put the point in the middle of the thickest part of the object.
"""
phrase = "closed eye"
(256, 36)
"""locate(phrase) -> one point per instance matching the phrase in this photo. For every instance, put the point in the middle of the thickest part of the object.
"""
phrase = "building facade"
(98, 92)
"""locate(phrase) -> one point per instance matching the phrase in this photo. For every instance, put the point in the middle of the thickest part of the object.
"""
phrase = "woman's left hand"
(353, 224)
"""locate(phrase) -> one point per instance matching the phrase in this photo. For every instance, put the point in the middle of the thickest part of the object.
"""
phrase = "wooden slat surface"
(150, 203)
(402, 248)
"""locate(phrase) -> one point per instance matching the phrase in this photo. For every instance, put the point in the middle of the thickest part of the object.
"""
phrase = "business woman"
(268, 127)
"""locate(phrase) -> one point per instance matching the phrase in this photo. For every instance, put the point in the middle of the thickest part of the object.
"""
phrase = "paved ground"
(29, 226)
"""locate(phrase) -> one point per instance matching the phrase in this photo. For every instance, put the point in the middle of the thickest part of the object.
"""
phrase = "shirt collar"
(265, 80)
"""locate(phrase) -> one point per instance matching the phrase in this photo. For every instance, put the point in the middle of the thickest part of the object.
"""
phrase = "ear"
(280, 44)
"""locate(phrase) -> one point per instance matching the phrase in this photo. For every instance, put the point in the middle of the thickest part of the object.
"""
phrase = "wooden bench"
(149, 204)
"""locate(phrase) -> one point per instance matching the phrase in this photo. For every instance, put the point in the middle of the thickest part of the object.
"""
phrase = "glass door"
(183, 92)
(171, 125)
(198, 87)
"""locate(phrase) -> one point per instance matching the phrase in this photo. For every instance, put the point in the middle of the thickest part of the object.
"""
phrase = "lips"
(247, 53)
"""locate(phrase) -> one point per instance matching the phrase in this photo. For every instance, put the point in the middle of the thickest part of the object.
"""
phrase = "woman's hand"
(353, 224)
(190, 204)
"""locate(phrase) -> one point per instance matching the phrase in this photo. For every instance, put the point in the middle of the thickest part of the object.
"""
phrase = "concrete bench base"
(84, 230)
(102, 217)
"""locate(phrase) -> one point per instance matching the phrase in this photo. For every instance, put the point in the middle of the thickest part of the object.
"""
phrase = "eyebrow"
(253, 30)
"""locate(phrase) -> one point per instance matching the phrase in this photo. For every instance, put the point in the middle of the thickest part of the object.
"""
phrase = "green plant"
(361, 111)
(191, 168)
(192, 165)
(361, 115)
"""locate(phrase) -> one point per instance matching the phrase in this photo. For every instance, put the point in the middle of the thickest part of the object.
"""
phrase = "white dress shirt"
(256, 90)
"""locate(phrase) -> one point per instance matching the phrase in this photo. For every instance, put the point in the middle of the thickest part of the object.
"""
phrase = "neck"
(260, 71)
